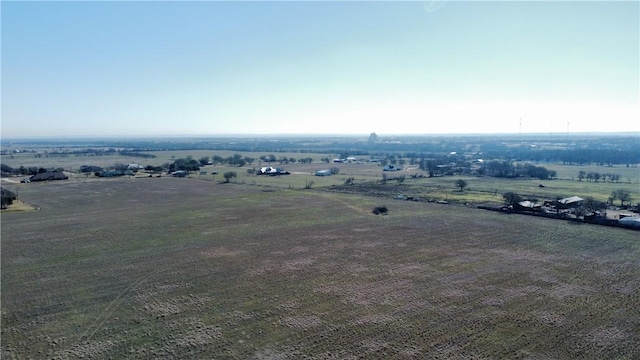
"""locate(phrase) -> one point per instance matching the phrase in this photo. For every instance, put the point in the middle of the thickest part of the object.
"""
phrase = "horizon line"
(308, 135)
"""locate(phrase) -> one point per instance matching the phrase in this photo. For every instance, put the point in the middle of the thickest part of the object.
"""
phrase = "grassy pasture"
(180, 268)
(627, 174)
(483, 189)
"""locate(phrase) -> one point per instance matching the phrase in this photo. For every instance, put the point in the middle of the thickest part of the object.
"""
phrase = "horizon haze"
(160, 69)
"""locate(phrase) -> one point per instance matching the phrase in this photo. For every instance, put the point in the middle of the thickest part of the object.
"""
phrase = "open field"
(181, 268)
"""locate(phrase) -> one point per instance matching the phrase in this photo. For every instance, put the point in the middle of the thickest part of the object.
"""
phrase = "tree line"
(450, 165)
(595, 176)
(505, 169)
(95, 152)
(25, 171)
(7, 198)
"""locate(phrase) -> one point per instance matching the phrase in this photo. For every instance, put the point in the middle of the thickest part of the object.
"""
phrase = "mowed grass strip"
(147, 268)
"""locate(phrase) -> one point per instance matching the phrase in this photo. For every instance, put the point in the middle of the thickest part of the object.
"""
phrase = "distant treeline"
(96, 152)
(584, 150)
(604, 151)
(507, 170)
(22, 170)
(442, 166)
(596, 176)
(578, 156)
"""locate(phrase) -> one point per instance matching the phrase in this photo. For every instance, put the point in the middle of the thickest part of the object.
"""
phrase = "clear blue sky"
(205, 68)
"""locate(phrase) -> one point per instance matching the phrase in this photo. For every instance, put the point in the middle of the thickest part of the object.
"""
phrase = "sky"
(156, 68)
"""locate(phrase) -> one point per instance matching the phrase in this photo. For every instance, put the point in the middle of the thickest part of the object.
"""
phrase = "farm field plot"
(180, 268)
(486, 187)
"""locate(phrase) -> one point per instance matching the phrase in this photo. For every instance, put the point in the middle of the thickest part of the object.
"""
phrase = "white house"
(391, 168)
(268, 170)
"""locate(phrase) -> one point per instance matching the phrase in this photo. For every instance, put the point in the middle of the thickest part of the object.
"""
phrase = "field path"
(10, 181)
(113, 305)
(339, 199)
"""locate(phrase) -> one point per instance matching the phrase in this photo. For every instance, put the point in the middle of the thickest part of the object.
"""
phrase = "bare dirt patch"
(19, 206)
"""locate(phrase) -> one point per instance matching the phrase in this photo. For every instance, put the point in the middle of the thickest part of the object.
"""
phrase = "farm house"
(529, 206)
(49, 175)
(630, 221)
(391, 168)
(569, 203)
(109, 173)
(268, 170)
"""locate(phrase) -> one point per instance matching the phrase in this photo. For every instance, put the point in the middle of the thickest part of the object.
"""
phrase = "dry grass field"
(184, 268)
